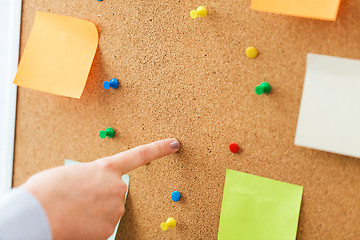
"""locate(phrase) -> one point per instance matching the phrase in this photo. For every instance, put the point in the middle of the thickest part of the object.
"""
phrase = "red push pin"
(234, 148)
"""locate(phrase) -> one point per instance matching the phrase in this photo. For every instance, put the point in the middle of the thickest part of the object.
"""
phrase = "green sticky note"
(257, 208)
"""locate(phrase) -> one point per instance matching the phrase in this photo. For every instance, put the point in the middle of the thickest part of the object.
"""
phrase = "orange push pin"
(170, 223)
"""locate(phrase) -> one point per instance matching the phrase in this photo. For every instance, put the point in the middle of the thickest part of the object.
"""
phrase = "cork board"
(190, 79)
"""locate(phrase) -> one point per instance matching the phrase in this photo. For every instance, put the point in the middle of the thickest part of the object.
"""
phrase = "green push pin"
(109, 132)
(263, 88)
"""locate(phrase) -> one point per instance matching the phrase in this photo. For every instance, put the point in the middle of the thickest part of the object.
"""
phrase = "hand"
(85, 201)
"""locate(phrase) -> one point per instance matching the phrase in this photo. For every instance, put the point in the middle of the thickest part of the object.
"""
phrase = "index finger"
(141, 155)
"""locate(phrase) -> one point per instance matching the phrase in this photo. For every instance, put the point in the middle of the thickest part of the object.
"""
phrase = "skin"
(85, 201)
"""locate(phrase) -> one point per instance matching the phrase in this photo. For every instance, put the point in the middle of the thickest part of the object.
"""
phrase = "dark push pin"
(263, 88)
(109, 132)
(113, 83)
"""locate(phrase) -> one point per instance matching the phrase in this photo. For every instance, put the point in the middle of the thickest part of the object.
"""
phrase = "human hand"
(85, 201)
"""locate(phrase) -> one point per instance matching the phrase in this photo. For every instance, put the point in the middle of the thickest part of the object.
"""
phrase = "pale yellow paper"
(318, 9)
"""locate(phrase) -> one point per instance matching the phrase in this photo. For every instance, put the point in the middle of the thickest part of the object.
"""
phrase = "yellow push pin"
(170, 223)
(199, 12)
(251, 52)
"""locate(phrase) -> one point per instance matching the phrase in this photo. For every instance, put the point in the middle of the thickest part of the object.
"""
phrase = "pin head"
(175, 196)
(194, 14)
(102, 134)
(234, 148)
(164, 226)
(251, 52)
(106, 85)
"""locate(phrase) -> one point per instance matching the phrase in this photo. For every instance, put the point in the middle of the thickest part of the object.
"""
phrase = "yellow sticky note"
(318, 9)
(58, 55)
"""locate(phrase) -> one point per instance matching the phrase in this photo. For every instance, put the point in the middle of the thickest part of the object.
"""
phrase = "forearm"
(23, 217)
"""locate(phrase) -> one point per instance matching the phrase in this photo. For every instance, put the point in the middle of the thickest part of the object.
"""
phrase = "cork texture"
(190, 79)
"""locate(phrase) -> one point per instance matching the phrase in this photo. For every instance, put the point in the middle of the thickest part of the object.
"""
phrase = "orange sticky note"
(58, 55)
(318, 9)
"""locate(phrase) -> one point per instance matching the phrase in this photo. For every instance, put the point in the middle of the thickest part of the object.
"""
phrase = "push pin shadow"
(113, 83)
(263, 88)
(109, 132)
(170, 223)
(199, 12)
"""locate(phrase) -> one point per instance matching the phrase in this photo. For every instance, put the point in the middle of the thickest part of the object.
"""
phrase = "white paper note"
(329, 117)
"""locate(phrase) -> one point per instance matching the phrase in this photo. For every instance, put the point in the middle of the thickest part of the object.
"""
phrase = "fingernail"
(175, 144)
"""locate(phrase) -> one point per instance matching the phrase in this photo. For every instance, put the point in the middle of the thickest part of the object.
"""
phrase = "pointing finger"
(141, 155)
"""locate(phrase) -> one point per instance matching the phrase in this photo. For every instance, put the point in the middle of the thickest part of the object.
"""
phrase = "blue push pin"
(113, 83)
(175, 196)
